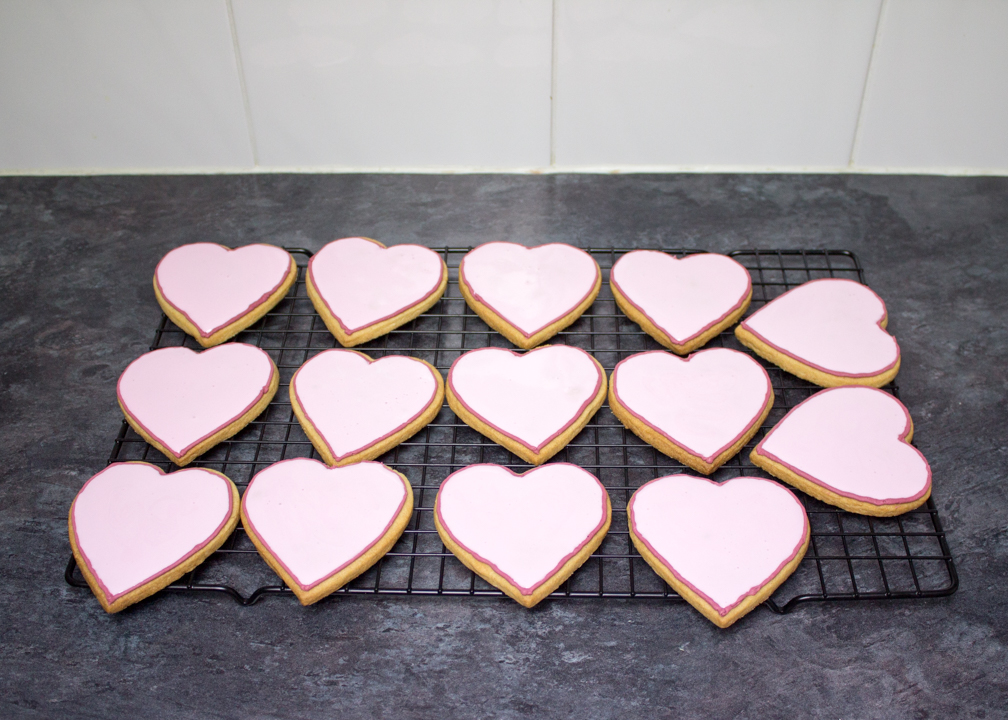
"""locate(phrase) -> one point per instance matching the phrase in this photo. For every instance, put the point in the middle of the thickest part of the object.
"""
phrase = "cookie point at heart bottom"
(524, 534)
(723, 547)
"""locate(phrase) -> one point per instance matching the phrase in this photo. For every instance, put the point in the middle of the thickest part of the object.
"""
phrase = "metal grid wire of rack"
(850, 557)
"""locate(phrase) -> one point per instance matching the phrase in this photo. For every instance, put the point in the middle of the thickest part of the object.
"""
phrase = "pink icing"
(530, 288)
(213, 286)
(832, 325)
(724, 541)
(526, 527)
(355, 402)
(180, 397)
(316, 520)
(532, 397)
(682, 297)
(851, 441)
(132, 523)
(363, 283)
(703, 403)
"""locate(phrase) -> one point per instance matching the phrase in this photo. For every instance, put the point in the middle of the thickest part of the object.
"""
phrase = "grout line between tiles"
(868, 76)
(553, 82)
(241, 82)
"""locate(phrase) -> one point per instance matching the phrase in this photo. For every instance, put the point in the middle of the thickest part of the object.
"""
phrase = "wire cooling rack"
(850, 557)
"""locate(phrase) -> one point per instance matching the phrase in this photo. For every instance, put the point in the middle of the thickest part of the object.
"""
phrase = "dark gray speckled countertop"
(76, 258)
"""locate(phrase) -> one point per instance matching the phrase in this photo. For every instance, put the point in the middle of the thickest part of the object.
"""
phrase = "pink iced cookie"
(135, 530)
(213, 292)
(363, 289)
(681, 303)
(700, 410)
(532, 403)
(320, 527)
(183, 402)
(849, 447)
(528, 295)
(830, 332)
(525, 534)
(723, 547)
(354, 408)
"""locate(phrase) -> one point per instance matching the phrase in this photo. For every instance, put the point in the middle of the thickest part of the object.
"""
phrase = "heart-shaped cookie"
(723, 547)
(183, 402)
(700, 410)
(363, 289)
(532, 403)
(319, 527)
(213, 292)
(830, 332)
(354, 408)
(528, 295)
(525, 534)
(849, 447)
(135, 530)
(681, 303)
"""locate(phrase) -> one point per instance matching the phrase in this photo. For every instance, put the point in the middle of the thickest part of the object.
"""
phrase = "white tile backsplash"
(119, 84)
(398, 83)
(321, 85)
(703, 82)
(938, 94)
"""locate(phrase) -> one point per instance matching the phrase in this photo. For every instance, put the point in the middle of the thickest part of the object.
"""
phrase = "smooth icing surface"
(182, 397)
(703, 403)
(682, 297)
(531, 397)
(134, 523)
(317, 520)
(831, 325)
(363, 283)
(354, 402)
(213, 286)
(850, 441)
(524, 526)
(529, 287)
(725, 541)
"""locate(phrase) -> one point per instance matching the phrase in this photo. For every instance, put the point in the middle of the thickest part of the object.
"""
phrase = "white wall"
(246, 85)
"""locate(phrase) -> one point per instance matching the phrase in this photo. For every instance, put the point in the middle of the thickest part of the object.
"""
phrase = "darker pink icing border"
(551, 573)
(873, 501)
(237, 317)
(109, 598)
(705, 328)
(521, 442)
(598, 277)
(400, 311)
(722, 611)
(293, 385)
(806, 363)
(348, 562)
(709, 458)
(190, 446)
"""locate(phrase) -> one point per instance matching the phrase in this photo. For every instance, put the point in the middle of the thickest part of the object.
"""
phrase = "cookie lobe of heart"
(315, 520)
(181, 397)
(530, 288)
(526, 527)
(852, 441)
(133, 523)
(363, 282)
(704, 403)
(531, 397)
(213, 286)
(354, 402)
(832, 325)
(682, 297)
(722, 541)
